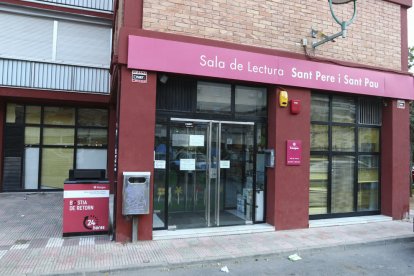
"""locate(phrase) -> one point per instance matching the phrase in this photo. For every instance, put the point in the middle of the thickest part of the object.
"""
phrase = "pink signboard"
(293, 152)
(85, 208)
(155, 54)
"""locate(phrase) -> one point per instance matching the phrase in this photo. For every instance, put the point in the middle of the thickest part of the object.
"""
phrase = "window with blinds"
(38, 38)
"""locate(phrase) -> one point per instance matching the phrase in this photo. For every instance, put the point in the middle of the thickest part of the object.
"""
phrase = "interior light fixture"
(163, 78)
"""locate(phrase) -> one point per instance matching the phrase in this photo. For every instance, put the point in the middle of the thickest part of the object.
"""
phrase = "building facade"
(54, 91)
(200, 88)
(242, 124)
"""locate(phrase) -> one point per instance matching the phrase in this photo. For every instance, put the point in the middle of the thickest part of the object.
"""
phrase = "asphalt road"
(384, 259)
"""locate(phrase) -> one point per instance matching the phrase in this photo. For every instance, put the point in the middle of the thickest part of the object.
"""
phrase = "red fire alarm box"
(295, 106)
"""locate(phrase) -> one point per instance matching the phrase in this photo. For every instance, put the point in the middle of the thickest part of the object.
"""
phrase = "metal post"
(134, 228)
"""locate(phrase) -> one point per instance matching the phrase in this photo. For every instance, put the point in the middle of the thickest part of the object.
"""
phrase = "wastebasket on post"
(86, 202)
(135, 197)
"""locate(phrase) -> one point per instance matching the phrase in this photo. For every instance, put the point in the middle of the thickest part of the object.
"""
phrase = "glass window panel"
(92, 137)
(31, 168)
(261, 137)
(319, 137)
(343, 109)
(33, 114)
(215, 97)
(59, 116)
(320, 108)
(251, 101)
(343, 138)
(32, 135)
(91, 159)
(342, 190)
(368, 139)
(56, 164)
(160, 148)
(58, 136)
(14, 113)
(318, 189)
(93, 117)
(368, 176)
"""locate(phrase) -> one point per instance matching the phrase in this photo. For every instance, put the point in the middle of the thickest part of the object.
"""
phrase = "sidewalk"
(21, 254)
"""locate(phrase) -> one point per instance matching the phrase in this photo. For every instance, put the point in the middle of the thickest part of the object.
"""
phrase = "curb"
(303, 250)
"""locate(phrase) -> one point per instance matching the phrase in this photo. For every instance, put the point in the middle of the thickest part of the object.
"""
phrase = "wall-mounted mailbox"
(135, 194)
(269, 158)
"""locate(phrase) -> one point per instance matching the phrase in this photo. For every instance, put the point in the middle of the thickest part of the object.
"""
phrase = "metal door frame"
(208, 164)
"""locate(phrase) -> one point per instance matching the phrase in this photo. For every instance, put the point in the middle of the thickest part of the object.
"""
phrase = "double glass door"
(210, 174)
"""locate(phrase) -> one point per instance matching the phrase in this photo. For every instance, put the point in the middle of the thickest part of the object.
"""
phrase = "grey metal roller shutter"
(83, 44)
(25, 36)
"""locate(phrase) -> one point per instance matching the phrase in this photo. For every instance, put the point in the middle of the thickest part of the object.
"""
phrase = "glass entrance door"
(211, 172)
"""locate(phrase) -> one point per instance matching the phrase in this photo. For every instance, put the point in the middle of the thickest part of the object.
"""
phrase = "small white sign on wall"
(401, 104)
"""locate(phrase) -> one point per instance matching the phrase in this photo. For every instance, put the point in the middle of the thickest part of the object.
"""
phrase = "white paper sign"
(187, 164)
(196, 140)
(224, 164)
(180, 140)
(159, 164)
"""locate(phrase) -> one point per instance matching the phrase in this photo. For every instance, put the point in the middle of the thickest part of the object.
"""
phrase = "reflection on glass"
(56, 164)
(368, 139)
(59, 116)
(320, 108)
(187, 196)
(343, 177)
(343, 109)
(236, 181)
(261, 137)
(368, 175)
(32, 135)
(31, 168)
(58, 136)
(33, 114)
(160, 193)
(343, 138)
(260, 186)
(93, 117)
(318, 190)
(251, 101)
(319, 137)
(214, 97)
(91, 159)
(92, 137)
(14, 113)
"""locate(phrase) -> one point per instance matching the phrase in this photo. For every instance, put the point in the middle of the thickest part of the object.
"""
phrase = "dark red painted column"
(133, 10)
(288, 186)
(136, 131)
(395, 160)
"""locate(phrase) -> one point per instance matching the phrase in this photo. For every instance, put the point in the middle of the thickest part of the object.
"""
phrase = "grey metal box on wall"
(135, 193)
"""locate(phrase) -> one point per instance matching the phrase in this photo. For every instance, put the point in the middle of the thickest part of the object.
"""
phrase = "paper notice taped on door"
(224, 164)
(187, 164)
(196, 140)
(159, 164)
